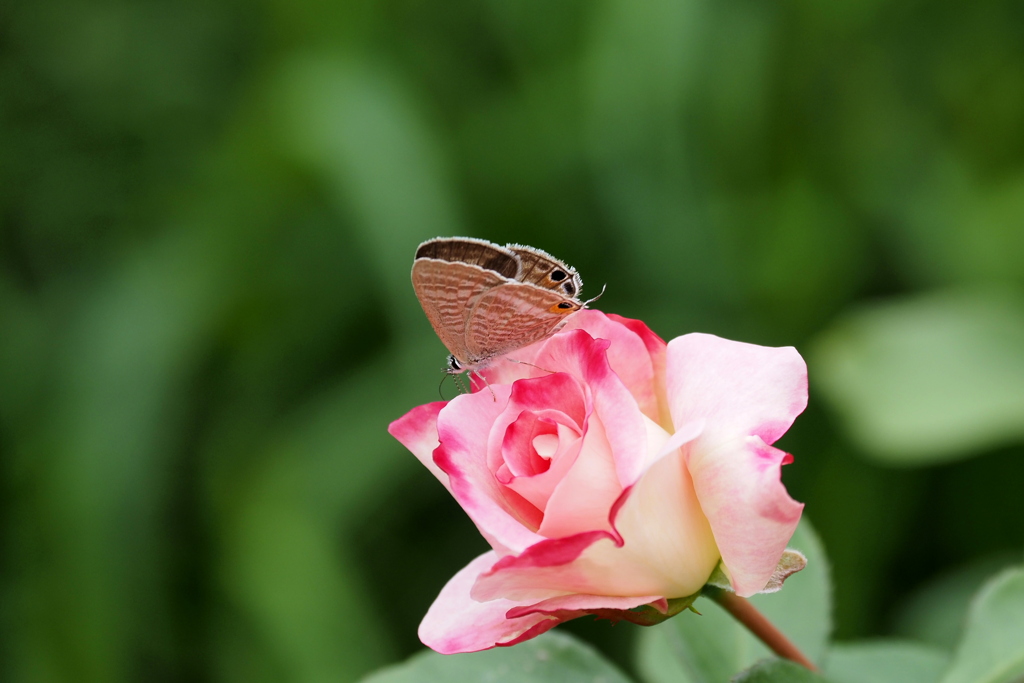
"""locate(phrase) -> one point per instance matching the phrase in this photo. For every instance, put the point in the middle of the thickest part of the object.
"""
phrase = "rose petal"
(750, 512)
(614, 449)
(541, 571)
(580, 604)
(656, 348)
(666, 545)
(636, 354)
(629, 355)
(457, 623)
(557, 397)
(579, 354)
(655, 344)
(417, 431)
(503, 517)
(538, 488)
(664, 529)
(684, 435)
(748, 396)
(584, 495)
(530, 442)
(739, 388)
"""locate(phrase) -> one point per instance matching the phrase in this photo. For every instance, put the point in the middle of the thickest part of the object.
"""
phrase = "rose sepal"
(653, 614)
(648, 615)
(790, 563)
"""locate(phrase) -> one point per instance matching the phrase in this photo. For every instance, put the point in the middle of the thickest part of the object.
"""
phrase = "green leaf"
(553, 657)
(778, 671)
(936, 612)
(280, 560)
(928, 379)
(885, 662)
(361, 126)
(656, 660)
(713, 647)
(302, 594)
(992, 650)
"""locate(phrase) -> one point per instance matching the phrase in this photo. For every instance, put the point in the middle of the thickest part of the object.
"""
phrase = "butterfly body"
(485, 301)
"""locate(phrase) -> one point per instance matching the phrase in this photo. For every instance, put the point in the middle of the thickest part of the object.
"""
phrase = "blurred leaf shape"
(935, 613)
(639, 71)
(930, 378)
(90, 583)
(554, 657)
(805, 257)
(713, 647)
(283, 569)
(992, 650)
(778, 671)
(283, 565)
(958, 227)
(885, 662)
(362, 129)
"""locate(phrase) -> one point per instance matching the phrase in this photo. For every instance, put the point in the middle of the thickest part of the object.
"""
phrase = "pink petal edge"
(748, 395)
(753, 533)
(741, 389)
(632, 353)
(417, 431)
(456, 623)
(582, 603)
(464, 427)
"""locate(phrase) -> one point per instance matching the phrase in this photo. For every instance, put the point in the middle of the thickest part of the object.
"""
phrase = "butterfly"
(484, 300)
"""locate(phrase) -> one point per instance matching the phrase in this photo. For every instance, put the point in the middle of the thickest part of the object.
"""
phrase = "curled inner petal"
(520, 454)
(546, 445)
(538, 458)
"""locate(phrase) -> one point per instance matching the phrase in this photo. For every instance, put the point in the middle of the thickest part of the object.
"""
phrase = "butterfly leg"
(484, 380)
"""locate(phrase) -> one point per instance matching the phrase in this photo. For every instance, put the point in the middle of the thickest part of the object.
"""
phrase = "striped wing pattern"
(514, 315)
(484, 300)
(447, 291)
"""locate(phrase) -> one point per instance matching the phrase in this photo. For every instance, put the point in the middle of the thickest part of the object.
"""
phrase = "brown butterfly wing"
(513, 315)
(544, 270)
(447, 292)
(472, 252)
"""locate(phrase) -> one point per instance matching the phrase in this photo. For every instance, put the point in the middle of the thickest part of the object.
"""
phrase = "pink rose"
(612, 471)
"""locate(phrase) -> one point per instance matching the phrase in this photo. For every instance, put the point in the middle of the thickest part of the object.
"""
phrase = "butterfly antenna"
(523, 362)
(590, 301)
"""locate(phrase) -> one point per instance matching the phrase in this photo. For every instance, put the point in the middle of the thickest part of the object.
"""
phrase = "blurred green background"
(208, 212)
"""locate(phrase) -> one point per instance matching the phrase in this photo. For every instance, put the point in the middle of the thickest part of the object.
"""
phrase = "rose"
(609, 470)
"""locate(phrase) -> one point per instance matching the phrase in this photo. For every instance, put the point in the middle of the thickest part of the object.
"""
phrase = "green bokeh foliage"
(207, 216)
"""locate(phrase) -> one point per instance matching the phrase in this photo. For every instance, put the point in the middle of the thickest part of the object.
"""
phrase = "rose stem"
(744, 612)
